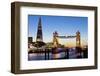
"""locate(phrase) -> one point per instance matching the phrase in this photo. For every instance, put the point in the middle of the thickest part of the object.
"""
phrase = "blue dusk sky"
(64, 25)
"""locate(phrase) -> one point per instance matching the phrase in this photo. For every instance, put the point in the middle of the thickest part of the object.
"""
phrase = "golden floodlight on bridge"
(56, 36)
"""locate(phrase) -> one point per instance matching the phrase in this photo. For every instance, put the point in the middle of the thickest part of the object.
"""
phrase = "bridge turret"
(55, 39)
(78, 39)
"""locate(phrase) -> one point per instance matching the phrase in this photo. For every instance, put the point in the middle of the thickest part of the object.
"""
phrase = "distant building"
(30, 39)
(49, 45)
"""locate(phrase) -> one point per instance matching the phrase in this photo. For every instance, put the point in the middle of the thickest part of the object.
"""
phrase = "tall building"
(39, 37)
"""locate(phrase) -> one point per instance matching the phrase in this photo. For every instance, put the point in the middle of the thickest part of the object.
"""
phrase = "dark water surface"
(61, 55)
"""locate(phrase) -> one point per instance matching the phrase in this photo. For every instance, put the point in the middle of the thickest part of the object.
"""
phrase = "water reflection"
(59, 53)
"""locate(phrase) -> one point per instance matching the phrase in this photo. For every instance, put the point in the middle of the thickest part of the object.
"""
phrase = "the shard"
(39, 37)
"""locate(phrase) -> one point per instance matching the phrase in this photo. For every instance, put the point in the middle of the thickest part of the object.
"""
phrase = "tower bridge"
(56, 36)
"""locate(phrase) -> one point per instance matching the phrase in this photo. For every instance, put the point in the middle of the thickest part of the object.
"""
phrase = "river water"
(61, 55)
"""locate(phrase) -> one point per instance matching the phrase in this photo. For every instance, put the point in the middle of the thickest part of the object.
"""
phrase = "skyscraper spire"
(39, 22)
(39, 37)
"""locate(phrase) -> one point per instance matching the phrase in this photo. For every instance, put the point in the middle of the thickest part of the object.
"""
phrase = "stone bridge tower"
(55, 39)
(78, 39)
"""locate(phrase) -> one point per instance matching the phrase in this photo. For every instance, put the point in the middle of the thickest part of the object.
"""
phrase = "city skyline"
(64, 25)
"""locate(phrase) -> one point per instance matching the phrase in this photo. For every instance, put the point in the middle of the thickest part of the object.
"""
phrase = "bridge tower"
(55, 39)
(78, 39)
